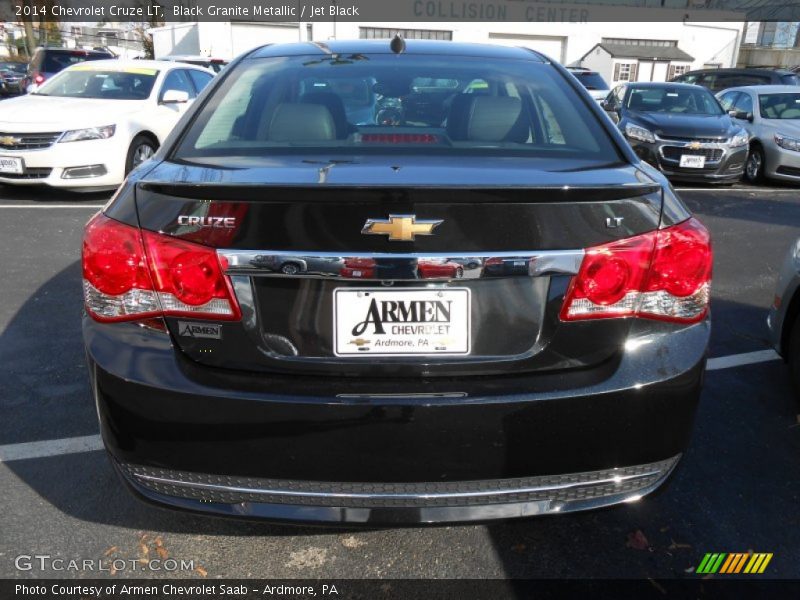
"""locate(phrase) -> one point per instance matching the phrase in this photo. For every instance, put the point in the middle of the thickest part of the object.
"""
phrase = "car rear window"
(591, 81)
(790, 80)
(385, 103)
(57, 61)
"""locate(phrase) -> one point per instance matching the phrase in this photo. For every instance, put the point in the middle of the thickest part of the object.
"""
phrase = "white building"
(619, 51)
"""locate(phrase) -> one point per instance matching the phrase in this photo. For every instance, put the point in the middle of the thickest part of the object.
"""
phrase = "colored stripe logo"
(732, 563)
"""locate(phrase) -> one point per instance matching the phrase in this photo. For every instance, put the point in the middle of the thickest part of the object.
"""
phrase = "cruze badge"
(400, 228)
(216, 222)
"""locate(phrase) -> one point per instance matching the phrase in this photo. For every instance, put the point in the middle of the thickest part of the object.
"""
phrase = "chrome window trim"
(267, 263)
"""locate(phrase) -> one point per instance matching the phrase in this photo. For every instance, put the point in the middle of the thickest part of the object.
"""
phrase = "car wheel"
(142, 148)
(754, 167)
(459, 273)
(794, 356)
(290, 269)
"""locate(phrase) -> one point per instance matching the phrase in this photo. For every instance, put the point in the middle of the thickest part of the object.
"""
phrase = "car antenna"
(398, 45)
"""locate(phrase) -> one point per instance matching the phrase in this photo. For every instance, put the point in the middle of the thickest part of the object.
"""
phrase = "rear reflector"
(128, 274)
(662, 275)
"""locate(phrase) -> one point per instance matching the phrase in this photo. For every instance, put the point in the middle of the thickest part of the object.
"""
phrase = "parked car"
(719, 79)
(592, 81)
(681, 129)
(215, 64)
(784, 316)
(88, 126)
(503, 266)
(46, 62)
(11, 76)
(771, 116)
(439, 268)
(292, 264)
(374, 395)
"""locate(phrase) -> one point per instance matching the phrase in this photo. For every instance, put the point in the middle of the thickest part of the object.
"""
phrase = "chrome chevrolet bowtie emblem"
(695, 145)
(400, 228)
(9, 140)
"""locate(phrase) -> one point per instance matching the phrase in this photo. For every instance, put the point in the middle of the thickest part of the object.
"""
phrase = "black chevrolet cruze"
(681, 129)
(378, 382)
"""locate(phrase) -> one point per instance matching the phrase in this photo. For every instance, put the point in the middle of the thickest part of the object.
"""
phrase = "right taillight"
(128, 274)
(38, 79)
(662, 274)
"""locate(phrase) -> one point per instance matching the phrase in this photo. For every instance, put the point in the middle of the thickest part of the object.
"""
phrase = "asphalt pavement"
(737, 488)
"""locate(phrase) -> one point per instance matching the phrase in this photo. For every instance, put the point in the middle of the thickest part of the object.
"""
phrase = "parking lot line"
(45, 448)
(52, 205)
(90, 443)
(739, 360)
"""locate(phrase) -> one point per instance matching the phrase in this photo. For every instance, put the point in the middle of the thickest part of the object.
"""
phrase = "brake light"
(38, 79)
(131, 275)
(399, 138)
(663, 275)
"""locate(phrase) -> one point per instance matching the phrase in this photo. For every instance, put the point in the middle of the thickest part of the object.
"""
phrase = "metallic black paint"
(565, 397)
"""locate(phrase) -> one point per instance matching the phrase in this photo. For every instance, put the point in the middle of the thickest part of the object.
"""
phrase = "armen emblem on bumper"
(401, 228)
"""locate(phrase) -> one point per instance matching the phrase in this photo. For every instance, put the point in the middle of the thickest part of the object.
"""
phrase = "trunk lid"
(484, 289)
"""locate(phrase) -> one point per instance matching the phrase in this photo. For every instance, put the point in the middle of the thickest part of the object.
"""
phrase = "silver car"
(771, 115)
(784, 316)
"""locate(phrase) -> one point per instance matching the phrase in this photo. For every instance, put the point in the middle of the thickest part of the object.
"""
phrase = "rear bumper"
(332, 450)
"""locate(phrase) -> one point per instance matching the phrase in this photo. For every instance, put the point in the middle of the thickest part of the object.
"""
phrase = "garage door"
(552, 46)
(246, 36)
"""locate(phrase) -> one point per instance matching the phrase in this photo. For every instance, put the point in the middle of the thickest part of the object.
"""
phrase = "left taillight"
(130, 275)
(664, 274)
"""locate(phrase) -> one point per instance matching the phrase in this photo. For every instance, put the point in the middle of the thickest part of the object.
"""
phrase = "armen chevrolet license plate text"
(402, 322)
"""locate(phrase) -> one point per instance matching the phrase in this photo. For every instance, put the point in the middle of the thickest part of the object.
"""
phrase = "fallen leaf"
(159, 542)
(201, 571)
(162, 553)
(637, 540)
(110, 551)
(657, 585)
(675, 545)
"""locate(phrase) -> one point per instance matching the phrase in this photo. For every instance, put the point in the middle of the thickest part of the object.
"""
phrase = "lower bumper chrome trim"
(590, 489)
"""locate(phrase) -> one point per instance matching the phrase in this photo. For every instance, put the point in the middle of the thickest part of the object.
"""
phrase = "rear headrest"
(335, 105)
(487, 119)
(301, 123)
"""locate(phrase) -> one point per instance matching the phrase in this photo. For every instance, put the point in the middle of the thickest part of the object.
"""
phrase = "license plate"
(402, 322)
(691, 161)
(11, 164)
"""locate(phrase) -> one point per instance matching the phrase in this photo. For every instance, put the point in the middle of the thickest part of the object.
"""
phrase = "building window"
(675, 70)
(626, 71)
(766, 34)
(384, 33)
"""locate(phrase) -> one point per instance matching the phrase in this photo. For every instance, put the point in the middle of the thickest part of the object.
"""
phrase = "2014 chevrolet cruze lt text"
(398, 283)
